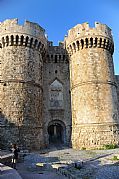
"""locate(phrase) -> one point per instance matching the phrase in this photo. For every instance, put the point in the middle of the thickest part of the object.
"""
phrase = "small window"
(26, 42)
(22, 39)
(31, 42)
(35, 43)
(86, 43)
(7, 40)
(55, 58)
(82, 43)
(91, 41)
(17, 39)
(59, 56)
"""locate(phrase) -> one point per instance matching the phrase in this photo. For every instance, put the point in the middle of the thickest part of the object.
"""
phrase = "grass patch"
(115, 157)
(83, 148)
(109, 146)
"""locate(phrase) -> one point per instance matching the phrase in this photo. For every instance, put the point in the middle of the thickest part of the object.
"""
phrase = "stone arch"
(56, 95)
(57, 132)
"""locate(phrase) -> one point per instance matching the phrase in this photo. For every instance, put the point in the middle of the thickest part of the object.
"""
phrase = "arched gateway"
(57, 132)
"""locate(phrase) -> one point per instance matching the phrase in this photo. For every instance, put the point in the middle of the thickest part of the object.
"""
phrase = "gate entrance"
(56, 133)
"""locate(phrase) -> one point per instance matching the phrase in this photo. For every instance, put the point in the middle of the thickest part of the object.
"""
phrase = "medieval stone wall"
(117, 83)
(95, 119)
(36, 79)
(21, 61)
(56, 87)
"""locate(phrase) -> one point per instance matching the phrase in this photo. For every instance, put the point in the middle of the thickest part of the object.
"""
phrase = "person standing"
(15, 151)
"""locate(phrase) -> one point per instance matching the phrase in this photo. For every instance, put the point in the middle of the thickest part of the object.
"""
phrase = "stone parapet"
(82, 36)
(57, 54)
(29, 35)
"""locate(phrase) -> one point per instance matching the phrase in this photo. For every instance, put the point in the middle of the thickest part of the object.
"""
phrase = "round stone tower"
(22, 49)
(95, 119)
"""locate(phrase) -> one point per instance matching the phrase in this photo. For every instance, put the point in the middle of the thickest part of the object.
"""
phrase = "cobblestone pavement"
(97, 164)
(43, 175)
(30, 172)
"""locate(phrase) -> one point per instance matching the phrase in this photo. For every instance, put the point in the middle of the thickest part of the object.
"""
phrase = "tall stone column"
(95, 119)
(21, 56)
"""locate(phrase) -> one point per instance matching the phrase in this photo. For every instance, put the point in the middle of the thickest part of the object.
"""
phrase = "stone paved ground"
(43, 175)
(97, 164)
(28, 170)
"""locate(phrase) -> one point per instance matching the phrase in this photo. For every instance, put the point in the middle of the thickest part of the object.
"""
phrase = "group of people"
(15, 150)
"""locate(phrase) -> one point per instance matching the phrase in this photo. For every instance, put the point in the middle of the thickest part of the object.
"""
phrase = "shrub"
(109, 146)
(115, 158)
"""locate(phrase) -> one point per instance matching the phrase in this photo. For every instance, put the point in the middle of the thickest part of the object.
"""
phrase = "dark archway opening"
(56, 134)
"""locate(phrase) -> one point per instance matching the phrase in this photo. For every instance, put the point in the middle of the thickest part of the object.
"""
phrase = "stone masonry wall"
(21, 90)
(36, 79)
(56, 71)
(117, 82)
(95, 119)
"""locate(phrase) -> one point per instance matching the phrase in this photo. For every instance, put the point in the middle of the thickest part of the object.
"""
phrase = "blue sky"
(58, 16)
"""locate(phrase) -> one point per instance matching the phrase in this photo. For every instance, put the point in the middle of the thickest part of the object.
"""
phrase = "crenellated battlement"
(57, 54)
(29, 35)
(12, 25)
(82, 36)
(84, 29)
(22, 40)
(90, 42)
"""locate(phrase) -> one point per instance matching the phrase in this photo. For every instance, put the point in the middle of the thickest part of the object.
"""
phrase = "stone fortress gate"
(38, 79)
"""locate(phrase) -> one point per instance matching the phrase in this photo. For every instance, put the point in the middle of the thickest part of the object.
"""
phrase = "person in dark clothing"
(15, 151)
